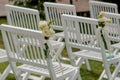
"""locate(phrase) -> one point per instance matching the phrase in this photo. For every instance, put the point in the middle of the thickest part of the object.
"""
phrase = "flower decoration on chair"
(45, 27)
(47, 32)
(101, 22)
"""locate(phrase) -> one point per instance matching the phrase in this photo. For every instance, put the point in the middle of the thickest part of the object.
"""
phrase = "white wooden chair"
(3, 58)
(53, 12)
(97, 6)
(22, 17)
(33, 57)
(114, 32)
(78, 29)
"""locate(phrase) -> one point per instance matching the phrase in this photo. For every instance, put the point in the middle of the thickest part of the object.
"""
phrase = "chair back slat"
(22, 17)
(97, 6)
(53, 12)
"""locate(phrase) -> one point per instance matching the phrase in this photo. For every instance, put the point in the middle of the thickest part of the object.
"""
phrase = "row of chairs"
(95, 8)
(20, 17)
(26, 18)
(75, 27)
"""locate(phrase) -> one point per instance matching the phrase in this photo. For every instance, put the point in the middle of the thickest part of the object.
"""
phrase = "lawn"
(86, 75)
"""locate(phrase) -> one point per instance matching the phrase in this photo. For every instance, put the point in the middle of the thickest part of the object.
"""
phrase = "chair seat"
(92, 55)
(89, 54)
(60, 71)
(3, 56)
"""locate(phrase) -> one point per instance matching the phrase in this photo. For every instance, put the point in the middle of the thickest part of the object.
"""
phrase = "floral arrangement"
(45, 27)
(47, 32)
(101, 22)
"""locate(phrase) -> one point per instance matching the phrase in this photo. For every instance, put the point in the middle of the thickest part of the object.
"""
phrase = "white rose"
(51, 31)
(101, 20)
(109, 21)
(46, 33)
(43, 25)
(101, 14)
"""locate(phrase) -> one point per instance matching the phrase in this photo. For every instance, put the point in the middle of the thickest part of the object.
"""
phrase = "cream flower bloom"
(43, 25)
(109, 21)
(104, 19)
(47, 31)
(101, 20)
(52, 31)
(101, 14)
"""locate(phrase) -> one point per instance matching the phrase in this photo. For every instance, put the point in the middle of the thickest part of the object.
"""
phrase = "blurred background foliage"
(35, 4)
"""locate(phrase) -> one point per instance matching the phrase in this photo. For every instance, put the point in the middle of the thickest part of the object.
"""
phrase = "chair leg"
(80, 61)
(26, 75)
(87, 65)
(16, 72)
(115, 72)
(79, 77)
(102, 74)
(5, 73)
(76, 75)
(107, 71)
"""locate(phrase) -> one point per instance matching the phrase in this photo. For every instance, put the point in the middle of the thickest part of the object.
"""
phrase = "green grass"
(2, 21)
(86, 75)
